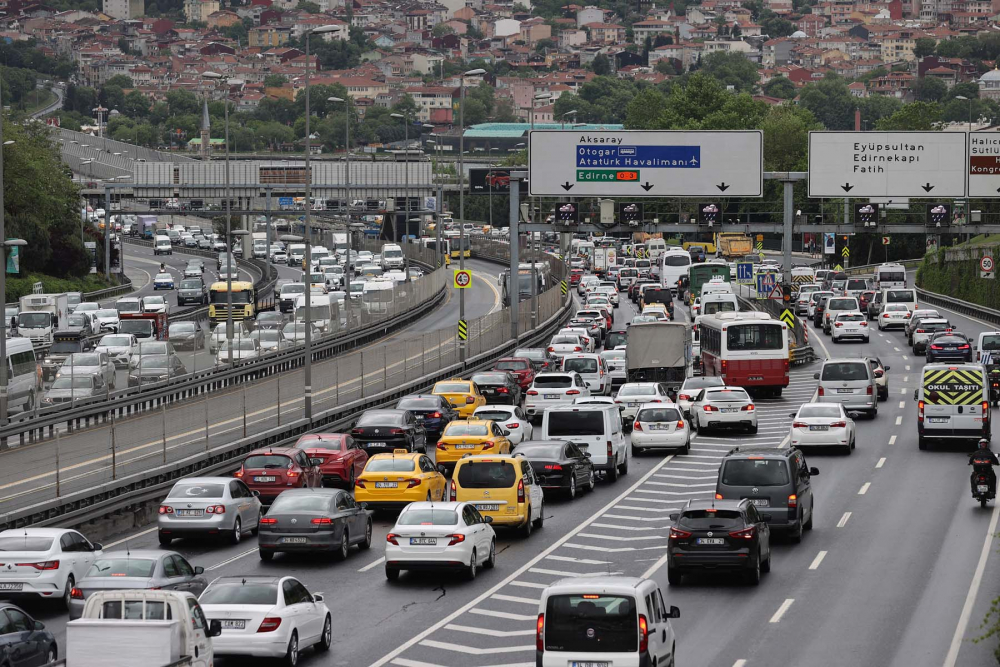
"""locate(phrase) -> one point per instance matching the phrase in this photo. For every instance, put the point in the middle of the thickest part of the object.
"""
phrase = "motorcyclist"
(982, 461)
(163, 267)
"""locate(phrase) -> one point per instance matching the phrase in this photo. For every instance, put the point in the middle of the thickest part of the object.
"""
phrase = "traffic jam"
(659, 455)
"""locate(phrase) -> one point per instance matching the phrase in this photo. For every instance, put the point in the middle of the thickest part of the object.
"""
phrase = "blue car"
(25, 638)
(163, 281)
(431, 410)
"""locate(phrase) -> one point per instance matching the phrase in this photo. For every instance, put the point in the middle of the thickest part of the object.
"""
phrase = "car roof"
(36, 532)
(432, 504)
(204, 480)
(278, 451)
(393, 455)
(602, 584)
(720, 504)
(252, 578)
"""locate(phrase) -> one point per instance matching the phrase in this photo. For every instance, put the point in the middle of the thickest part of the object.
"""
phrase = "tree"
(665, 66)
(274, 81)
(968, 90)
(475, 112)
(877, 107)
(601, 65)
(112, 97)
(924, 46)
(662, 40)
(776, 26)
(183, 102)
(830, 102)
(543, 44)
(120, 80)
(442, 29)
(310, 7)
(781, 87)
(929, 89)
(643, 112)
(786, 137)
(731, 69)
(917, 116)
(503, 112)
(81, 99)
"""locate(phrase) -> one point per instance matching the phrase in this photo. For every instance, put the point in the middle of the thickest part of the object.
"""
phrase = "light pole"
(406, 207)
(568, 113)
(968, 207)
(307, 380)
(539, 96)
(461, 194)
(347, 187)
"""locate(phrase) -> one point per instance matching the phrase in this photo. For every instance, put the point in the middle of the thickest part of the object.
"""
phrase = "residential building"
(125, 10)
(200, 10)
(431, 100)
(268, 36)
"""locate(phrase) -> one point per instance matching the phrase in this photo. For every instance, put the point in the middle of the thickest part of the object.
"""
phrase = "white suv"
(552, 389)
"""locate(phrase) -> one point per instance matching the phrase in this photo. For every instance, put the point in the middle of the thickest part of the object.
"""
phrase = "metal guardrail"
(153, 481)
(863, 269)
(973, 310)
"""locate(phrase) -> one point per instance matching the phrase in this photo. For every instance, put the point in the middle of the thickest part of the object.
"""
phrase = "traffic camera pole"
(513, 294)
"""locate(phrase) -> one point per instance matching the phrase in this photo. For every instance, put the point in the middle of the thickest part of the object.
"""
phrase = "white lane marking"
(907, 368)
(864, 488)
(472, 650)
(740, 663)
(970, 598)
(656, 566)
(818, 339)
(902, 404)
(130, 537)
(881, 462)
(514, 598)
(781, 610)
(502, 614)
(899, 420)
(906, 358)
(906, 378)
(902, 392)
(582, 561)
(372, 564)
(403, 662)
(896, 349)
(490, 632)
(529, 584)
(892, 440)
(520, 571)
(230, 560)
(843, 520)
(817, 560)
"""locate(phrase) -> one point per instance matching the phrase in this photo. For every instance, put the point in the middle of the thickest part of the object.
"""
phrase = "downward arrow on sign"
(927, 187)
(847, 187)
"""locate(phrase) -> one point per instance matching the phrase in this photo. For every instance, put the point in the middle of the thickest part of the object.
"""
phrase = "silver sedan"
(209, 507)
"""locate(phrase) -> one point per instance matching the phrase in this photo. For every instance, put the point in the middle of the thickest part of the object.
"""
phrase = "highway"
(898, 571)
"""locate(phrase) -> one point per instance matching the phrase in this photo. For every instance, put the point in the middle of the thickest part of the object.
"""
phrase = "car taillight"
(554, 466)
(520, 492)
(710, 408)
(435, 415)
(532, 392)
(215, 509)
(986, 410)
(793, 500)
(963, 347)
(292, 474)
(453, 491)
(838, 324)
(936, 347)
(819, 391)
(864, 324)
(391, 538)
(441, 446)
(269, 624)
(552, 349)
(748, 408)
(678, 534)
(745, 534)
(322, 521)
(513, 425)
(885, 316)
(166, 509)
(611, 451)
(76, 593)
(397, 431)
(540, 633)
(868, 390)
(683, 397)
(410, 483)
(838, 425)
(718, 496)
(355, 431)
(725, 365)
(487, 445)
(359, 483)
(800, 425)
(680, 424)
(920, 411)
(577, 349)
(268, 521)
(573, 392)
(455, 539)
(921, 331)
(643, 634)
(45, 565)
(468, 401)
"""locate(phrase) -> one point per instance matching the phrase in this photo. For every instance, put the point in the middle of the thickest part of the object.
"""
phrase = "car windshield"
(512, 365)
(576, 423)
(896, 308)
(845, 371)
(852, 317)
(464, 428)
(191, 284)
(320, 442)
(553, 381)
(153, 300)
(904, 296)
(755, 472)
(83, 360)
(585, 365)
(702, 382)
(601, 623)
(819, 411)
(116, 341)
(428, 517)
(711, 519)
(164, 276)
(300, 502)
(183, 327)
(106, 313)
(541, 450)
(77, 320)
(495, 415)
(380, 418)
(153, 347)
(154, 361)
(267, 461)
(991, 342)
(637, 390)
(25, 543)
(196, 490)
(73, 382)
(240, 592)
(390, 465)
(452, 388)
(269, 317)
(122, 567)
(536, 354)
(658, 415)
(727, 395)
(418, 404)
(490, 378)
(565, 340)
(486, 475)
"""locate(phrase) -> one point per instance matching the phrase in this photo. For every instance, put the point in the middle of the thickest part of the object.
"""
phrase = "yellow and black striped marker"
(564, 286)
(463, 330)
(953, 387)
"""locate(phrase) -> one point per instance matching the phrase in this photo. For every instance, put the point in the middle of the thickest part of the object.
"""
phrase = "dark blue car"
(434, 412)
(24, 641)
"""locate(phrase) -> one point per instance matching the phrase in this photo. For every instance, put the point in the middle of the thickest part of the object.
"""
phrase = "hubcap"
(295, 650)
(328, 633)
(237, 533)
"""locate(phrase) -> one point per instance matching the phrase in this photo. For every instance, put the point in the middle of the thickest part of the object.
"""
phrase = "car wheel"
(470, 572)
(674, 577)
(67, 592)
(612, 473)
(571, 494)
(341, 553)
(491, 562)
(527, 527)
(753, 575)
(265, 554)
(753, 430)
(765, 566)
(53, 655)
(391, 573)
(164, 540)
(921, 443)
(237, 534)
(623, 468)
(796, 534)
(812, 513)
(591, 480)
(636, 451)
(873, 413)
(29, 405)
(291, 658)
(540, 521)
(367, 542)
(326, 640)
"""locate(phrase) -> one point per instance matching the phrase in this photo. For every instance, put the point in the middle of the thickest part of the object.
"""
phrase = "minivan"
(850, 382)
(25, 380)
(907, 297)
(776, 480)
(592, 368)
(162, 246)
(605, 620)
(988, 341)
(952, 403)
(596, 429)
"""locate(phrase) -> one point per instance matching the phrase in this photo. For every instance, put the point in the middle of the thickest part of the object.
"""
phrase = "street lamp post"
(308, 231)
(531, 113)
(406, 206)
(968, 208)
(307, 379)
(568, 113)
(347, 187)
(461, 194)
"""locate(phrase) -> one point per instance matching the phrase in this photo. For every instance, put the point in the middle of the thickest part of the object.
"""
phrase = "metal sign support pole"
(513, 293)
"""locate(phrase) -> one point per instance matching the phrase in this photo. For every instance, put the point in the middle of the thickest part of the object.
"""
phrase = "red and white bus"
(747, 349)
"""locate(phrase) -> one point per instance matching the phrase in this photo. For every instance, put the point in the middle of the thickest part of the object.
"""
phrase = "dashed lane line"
(864, 488)
(843, 520)
(781, 610)
(817, 560)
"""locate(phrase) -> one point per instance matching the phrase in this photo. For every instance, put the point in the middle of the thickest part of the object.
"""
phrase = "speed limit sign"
(463, 278)
(986, 267)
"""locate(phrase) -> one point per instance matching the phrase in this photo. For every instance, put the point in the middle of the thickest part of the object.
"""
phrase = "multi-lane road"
(899, 569)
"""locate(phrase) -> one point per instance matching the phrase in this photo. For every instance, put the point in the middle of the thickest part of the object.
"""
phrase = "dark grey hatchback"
(314, 520)
(721, 535)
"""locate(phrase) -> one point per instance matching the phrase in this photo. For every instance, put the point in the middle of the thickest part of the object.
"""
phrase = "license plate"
(386, 485)
(550, 397)
(268, 478)
(488, 391)
(659, 427)
(983, 488)
(293, 540)
(761, 502)
(728, 410)
(11, 587)
(419, 418)
(711, 540)
(424, 540)
(845, 391)
(376, 444)
(590, 663)
(758, 378)
(234, 624)
(465, 446)
(632, 405)
(819, 428)
(492, 507)
(938, 420)
(189, 512)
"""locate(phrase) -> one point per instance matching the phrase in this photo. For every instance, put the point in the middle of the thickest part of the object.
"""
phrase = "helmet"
(984, 444)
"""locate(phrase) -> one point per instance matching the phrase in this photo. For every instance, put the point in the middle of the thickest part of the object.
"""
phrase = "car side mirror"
(914, 394)
(317, 597)
(506, 432)
(38, 626)
(98, 546)
(853, 415)
(674, 612)
(814, 471)
(885, 368)
(315, 462)
(815, 376)
(256, 494)
(674, 516)
(488, 519)
(791, 414)
(214, 628)
(199, 569)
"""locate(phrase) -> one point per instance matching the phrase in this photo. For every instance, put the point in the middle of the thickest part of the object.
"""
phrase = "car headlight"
(133, 378)
(46, 399)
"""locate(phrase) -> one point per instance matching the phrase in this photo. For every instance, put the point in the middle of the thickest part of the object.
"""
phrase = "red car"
(270, 471)
(519, 367)
(575, 275)
(340, 461)
(864, 299)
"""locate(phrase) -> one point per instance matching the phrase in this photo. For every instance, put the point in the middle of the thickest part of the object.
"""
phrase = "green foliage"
(731, 69)
(781, 87)
(543, 44)
(442, 29)
(601, 65)
(274, 81)
(775, 26)
(917, 116)
(875, 108)
(81, 99)
(924, 46)
(18, 83)
(111, 97)
(929, 89)
(960, 279)
(830, 101)
(23, 284)
(120, 80)
(601, 100)
(310, 7)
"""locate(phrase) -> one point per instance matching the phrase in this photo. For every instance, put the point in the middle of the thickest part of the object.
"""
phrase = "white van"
(162, 246)
(719, 302)
(655, 248)
(988, 341)
(126, 619)
(377, 296)
(392, 257)
(905, 296)
(675, 262)
(322, 311)
(592, 368)
(597, 429)
(890, 276)
(952, 403)
(607, 620)
(24, 375)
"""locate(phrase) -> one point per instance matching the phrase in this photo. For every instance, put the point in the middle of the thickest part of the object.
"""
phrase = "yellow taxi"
(502, 487)
(464, 395)
(397, 479)
(475, 436)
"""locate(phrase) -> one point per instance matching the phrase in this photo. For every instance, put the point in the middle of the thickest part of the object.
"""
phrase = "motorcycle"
(993, 373)
(984, 488)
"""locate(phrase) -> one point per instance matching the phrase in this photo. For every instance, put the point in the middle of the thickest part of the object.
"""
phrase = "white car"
(106, 319)
(696, 307)
(510, 417)
(615, 359)
(587, 284)
(155, 304)
(164, 281)
(720, 407)
(119, 348)
(633, 395)
(218, 337)
(660, 427)
(588, 341)
(440, 535)
(804, 296)
(599, 301)
(44, 562)
(610, 291)
(822, 425)
(551, 389)
(691, 387)
(563, 344)
(244, 349)
(893, 315)
(193, 271)
(850, 325)
(266, 616)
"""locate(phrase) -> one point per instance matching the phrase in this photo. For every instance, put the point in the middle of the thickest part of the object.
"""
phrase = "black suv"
(719, 535)
(820, 309)
(776, 481)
